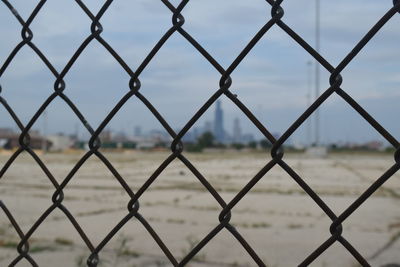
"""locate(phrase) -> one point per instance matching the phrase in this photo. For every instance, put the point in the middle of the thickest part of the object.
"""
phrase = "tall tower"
(237, 131)
(219, 123)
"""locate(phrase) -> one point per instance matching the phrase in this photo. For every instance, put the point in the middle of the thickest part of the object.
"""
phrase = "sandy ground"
(277, 218)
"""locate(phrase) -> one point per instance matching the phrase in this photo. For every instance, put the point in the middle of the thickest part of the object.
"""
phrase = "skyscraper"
(219, 123)
(237, 131)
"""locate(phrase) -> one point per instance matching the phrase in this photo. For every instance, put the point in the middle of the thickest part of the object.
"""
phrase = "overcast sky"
(272, 80)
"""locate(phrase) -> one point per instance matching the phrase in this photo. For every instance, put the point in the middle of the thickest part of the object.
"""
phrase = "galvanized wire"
(133, 208)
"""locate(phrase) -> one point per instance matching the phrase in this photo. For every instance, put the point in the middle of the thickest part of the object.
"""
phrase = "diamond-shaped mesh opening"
(179, 71)
(229, 28)
(120, 32)
(11, 34)
(59, 46)
(88, 92)
(33, 71)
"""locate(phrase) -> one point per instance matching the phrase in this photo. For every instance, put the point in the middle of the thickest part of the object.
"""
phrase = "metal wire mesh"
(133, 207)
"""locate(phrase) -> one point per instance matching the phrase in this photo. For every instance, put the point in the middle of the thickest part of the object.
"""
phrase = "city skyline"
(232, 131)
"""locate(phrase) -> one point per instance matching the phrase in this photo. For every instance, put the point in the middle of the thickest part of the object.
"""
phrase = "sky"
(273, 80)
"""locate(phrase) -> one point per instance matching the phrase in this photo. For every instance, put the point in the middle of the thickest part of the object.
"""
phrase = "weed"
(63, 241)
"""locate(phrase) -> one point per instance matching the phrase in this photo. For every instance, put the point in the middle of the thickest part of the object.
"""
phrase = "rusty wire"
(133, 208)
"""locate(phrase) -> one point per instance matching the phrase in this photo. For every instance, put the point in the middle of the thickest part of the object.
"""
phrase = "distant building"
(5, 135)
(145, 143)
(120, 137)
(10, 140)
(219, 132)
(160, 136)
(237, 132)
(60, 142)
(374, 145)
(6, 132)
(105, 136)
(3, 143)
(154, 139)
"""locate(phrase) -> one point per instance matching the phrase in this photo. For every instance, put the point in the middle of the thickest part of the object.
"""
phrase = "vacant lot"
(277, 218)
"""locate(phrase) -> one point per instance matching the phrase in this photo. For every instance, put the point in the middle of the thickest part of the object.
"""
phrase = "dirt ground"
(277, 218)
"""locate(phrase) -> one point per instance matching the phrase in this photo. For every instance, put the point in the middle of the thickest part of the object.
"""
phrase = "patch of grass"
(41, 248)
(204, 208)
(97, 212)
(253, 225)
(63, 241)
(41, 196)
(176, 221)
(8, 244)
(130, 253)
(155, 203)
(295, 226)
(260, 225)
(394, 226)
(153, 219)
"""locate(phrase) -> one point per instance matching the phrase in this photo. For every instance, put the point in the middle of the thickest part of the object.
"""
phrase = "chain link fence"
(336, 229)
